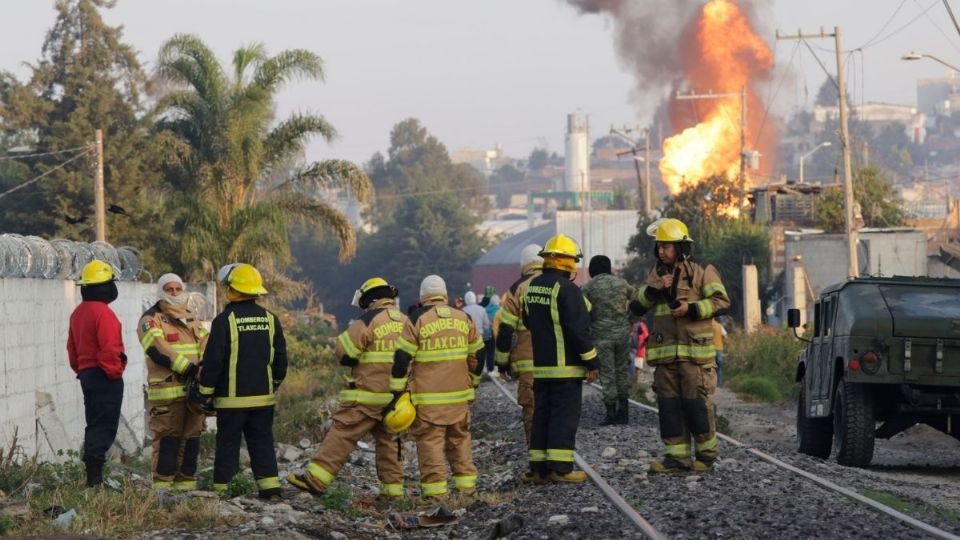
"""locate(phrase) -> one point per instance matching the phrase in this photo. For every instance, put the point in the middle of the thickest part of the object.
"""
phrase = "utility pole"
(98, 196)
(643, 181)
(849, 200)
(742, 94)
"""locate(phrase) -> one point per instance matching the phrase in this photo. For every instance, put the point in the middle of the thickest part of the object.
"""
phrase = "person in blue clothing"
(490, 343)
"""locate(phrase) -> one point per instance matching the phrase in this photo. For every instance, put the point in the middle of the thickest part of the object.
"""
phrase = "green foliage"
(309, 345)
(6, 525)
(762, 364)
(880, 205)
(241, 485)
(240, 179)
(728, 246)
(538, 160)
(308, 393)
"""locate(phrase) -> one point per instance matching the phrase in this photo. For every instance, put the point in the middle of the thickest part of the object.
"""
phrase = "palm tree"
(239, 176)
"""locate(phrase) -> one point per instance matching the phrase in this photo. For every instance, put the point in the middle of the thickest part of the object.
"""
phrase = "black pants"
(256, 426)
(102, 399)
(489, 349)
(556, 417)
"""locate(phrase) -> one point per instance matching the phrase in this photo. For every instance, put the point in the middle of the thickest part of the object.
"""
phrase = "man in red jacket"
(95, 350)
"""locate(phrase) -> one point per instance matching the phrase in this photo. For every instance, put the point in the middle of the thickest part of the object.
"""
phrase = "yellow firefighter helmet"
(562, 245)
(400, 415)
(96, 272)
(246, 279)
(669, 230)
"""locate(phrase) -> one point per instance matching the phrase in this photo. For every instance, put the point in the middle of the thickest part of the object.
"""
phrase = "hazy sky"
(480, 72)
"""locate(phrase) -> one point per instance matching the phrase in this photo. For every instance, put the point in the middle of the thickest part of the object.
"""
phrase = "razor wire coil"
(38, 258)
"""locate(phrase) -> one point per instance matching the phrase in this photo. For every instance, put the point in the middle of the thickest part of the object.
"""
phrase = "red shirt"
(95, 340)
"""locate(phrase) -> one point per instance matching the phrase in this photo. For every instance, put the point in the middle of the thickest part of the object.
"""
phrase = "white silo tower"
(577, 173)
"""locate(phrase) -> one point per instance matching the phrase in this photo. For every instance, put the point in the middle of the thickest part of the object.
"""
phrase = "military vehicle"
(884, 350)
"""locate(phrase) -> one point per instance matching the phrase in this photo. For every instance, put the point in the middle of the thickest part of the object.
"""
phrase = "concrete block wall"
(40, 397)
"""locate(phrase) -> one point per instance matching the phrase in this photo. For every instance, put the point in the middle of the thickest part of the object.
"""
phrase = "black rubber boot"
(623, 414)
(613, 416)
(94, 473)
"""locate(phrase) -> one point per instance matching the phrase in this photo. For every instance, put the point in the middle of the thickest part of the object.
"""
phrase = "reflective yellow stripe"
(509, 319)
(445, 355)
(348, 347)
(270, 482)
(434, 488)
(207, 390)
(677, 450)
(681, 350)
(406, 346)
(661, 309)
(165, 393)
(391, 490)
(589, 355)
(467, 481)
(244, 402)
(565, 372)
(220, 489)
(559, 454)
(180, 364)
(588, 303)
(710, 289)
(161, 484)
(185, 485)
(557, 329)
(320, 473)
(538, 455)
(271, 329)
(366, 398)
(501, 358)
(475, 379)
(475, 346)
(149, 337)
(377, 357)
(642, 297)
(443, 398)
(398, 385)
(234, 351)
(522, 366)
(187, 348)
(705, 307)
(708, 444)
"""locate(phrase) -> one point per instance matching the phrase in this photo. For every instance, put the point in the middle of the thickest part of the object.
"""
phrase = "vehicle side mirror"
(793, 318)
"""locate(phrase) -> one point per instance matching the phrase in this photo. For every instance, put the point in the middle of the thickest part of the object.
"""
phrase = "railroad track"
(757, 495)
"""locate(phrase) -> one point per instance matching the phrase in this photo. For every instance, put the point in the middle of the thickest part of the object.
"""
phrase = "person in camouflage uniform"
(610, 328)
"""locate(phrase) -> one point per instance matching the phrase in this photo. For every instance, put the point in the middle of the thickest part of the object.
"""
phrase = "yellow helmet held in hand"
(400, 415)
(562, 245)
(96, 272)
(246, 279)
(669, 230)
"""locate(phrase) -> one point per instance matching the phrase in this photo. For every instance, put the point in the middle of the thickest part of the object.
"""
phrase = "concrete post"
(799, 291)
(751, 299)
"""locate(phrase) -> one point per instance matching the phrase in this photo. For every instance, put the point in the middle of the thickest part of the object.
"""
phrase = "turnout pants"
(555, 421)
(614, 355)
(176, 444)
(526, 400)
(256, 426)
(102, 399)
(684, 390)
(436, 441)
(349, 425)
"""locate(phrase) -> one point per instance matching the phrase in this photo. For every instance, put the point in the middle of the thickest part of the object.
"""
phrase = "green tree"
(880, 205)
(86, 78)
(732, 244)
(538, 160)
(238, 174)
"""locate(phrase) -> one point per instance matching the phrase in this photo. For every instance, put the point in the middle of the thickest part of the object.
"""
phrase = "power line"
(44, 174)
(40, 154)
(885, 25)
(937, 26)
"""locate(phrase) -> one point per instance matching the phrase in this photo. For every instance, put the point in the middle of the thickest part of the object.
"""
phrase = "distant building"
(939, 96)
(879, 115)
(485, 161)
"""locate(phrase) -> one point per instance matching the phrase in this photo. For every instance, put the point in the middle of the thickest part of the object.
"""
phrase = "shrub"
(762, 364)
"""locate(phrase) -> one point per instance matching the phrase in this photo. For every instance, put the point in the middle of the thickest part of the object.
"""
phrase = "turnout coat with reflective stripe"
(689, 338)
(521, 353)
(556, 314)
(371, 340)
(172, 338)
(246, 355)
(443, 342)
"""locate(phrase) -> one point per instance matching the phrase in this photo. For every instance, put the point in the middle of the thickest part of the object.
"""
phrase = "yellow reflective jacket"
(688, 338)
(172, 338)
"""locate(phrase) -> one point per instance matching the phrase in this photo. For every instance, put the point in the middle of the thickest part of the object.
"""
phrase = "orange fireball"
(723, 55)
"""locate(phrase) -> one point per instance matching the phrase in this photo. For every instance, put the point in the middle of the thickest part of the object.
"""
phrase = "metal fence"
(35, 257)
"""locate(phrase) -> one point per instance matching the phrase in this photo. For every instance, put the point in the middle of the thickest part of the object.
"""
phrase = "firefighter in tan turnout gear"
(173, 339)
(439, 348)
(514, 344)
(684, 297)
(367, 346)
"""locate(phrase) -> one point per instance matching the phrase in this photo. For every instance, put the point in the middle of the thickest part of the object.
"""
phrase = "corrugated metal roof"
(508, 251)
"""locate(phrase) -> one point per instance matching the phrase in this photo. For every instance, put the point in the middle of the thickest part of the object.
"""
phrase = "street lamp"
(912, 55)
(805, 156)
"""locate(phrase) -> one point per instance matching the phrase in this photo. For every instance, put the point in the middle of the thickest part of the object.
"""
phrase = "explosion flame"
(724, 55)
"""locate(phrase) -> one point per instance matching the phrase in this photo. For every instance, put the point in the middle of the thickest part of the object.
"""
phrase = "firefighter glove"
(190, 372)
(204, 403)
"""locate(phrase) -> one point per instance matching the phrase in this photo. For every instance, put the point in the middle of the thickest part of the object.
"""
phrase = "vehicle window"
(828, 309)
(917, 302)
(816, 320)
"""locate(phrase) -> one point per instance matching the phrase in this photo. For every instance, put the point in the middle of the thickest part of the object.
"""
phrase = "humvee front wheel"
(814, 435)
(853, 424)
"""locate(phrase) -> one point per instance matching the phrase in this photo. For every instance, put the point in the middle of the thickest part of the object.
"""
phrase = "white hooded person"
(478, 314)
